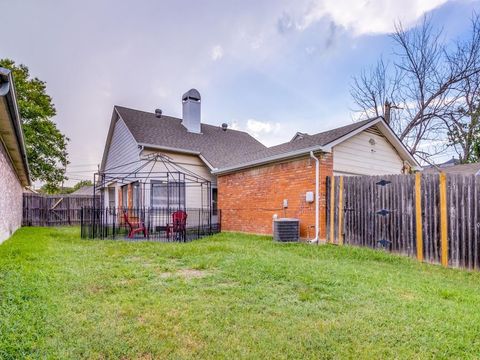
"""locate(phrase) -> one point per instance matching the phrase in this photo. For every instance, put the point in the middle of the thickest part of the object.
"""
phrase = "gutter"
(177, 150)
(317, 180)
(168, 148)
(270, 159)
(7, 90)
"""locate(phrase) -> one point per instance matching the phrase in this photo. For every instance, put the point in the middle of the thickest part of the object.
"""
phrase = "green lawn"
(229, 296)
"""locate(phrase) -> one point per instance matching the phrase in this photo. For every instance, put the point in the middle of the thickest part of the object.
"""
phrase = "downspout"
(317, 179)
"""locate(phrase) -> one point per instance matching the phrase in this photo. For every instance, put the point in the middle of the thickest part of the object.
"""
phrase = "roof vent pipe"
(191, 111)
(158, 113)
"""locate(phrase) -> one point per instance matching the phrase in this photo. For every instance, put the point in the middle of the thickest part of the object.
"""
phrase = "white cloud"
(257, 42)
(217, 52)
(367, 17)
(261, 127)
(234, 125)
(268, 132)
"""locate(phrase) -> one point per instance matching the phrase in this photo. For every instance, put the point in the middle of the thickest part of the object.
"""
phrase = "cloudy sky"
(270, 67)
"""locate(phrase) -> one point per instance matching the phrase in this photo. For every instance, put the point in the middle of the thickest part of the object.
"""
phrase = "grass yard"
(229, 296)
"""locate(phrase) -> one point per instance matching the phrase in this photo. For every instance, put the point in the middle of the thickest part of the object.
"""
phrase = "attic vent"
(286, 229)
(299, 136)
(374, 130)
(224, 126)
(158, 113)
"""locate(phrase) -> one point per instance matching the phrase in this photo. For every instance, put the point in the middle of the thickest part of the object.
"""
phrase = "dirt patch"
(94, 289)
(186, 273)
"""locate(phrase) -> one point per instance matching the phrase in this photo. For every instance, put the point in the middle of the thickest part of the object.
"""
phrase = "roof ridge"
(356, 123)
(176, 118)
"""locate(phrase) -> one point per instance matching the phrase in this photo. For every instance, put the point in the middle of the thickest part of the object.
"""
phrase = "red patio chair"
(134, 226)
(178, 226)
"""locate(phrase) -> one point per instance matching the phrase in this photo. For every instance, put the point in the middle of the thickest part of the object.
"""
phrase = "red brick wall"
(249, 198)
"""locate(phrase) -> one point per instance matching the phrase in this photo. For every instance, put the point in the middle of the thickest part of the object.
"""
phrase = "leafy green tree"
(464, 123)
(46, 146)
(464, 137)
(45, 189)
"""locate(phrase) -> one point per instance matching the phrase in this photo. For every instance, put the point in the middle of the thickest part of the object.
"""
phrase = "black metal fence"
(153, 224)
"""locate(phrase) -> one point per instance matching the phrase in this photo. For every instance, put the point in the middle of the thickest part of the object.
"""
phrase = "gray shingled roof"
(304, 142)
(84, 190)
(220, 148)
(462, 169)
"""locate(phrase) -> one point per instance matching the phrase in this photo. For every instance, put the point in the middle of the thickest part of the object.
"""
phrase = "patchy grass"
(229, 296)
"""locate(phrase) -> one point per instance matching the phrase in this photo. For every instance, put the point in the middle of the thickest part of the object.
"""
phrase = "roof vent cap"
(158, 113)
(224, 126)
(191, 94)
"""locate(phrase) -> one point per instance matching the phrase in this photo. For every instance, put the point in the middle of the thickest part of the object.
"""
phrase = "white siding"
(193, 194)
(122, 157)
(123, 150)
(356, 156)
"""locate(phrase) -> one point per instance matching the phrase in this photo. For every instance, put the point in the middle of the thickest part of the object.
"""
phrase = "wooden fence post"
(332, 209)
(443, 219)
(418, 215)
(340, 211)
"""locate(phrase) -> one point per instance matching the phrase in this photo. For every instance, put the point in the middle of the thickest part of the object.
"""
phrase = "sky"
(271, 67)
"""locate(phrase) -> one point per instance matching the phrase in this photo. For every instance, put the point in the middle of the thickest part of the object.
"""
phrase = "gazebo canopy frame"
(174, 180)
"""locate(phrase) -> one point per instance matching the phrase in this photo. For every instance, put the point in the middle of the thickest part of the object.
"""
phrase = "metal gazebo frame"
(170, 186)
(175, 173)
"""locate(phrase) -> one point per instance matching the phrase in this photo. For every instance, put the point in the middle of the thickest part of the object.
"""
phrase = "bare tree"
(421, 83)
(464, 123)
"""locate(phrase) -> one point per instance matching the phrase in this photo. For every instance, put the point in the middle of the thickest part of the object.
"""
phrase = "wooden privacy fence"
(435, 218)
(55, 210)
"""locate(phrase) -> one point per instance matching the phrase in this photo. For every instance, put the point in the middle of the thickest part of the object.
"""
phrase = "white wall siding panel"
(356, 156)
(193, 193)
(123, 150)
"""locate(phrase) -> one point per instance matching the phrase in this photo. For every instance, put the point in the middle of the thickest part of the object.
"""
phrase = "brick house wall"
(249, 198)
(11, 197)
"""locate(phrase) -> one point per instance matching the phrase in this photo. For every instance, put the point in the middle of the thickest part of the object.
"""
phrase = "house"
(452, 167)
(14, 173)
(86, 190)
(156, 161)
(248, 181)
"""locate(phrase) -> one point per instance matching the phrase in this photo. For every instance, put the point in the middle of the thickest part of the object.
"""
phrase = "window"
(214, 201)
(176, 194)
(158, 193)
(136, 195)
(165, 194)
(111, 197)
(125, 196)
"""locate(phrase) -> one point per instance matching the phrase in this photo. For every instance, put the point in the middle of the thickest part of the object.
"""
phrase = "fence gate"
(432, 217)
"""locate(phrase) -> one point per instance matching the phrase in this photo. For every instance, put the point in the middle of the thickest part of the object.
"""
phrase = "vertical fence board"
(332, 209)
(443, 219)
(418, 216)
(340, 211)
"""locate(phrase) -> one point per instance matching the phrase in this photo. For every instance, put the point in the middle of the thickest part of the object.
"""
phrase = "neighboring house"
(84, 190)
(250, 181)
(458, 169)
(14, 174)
